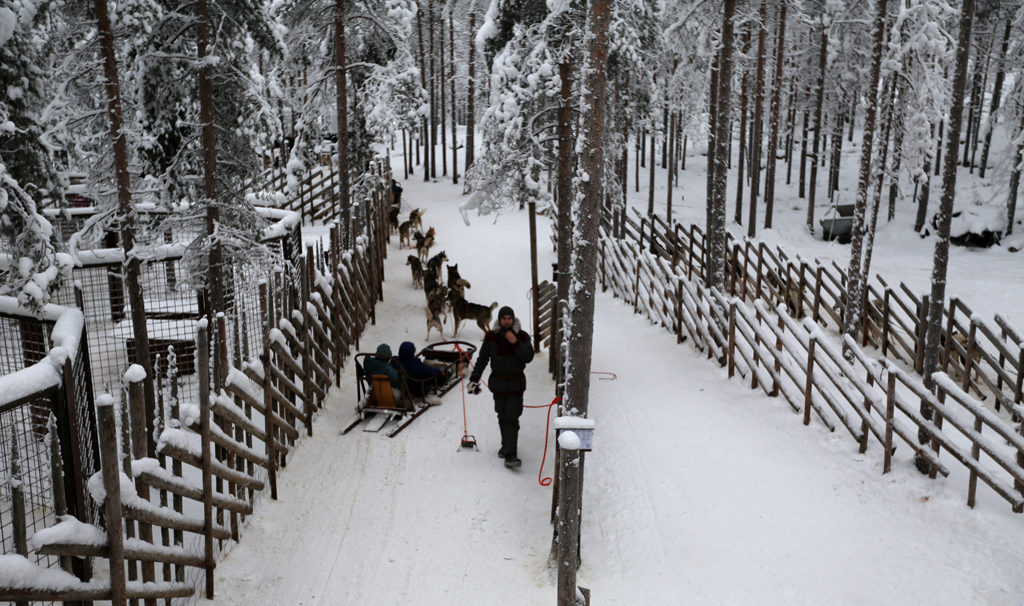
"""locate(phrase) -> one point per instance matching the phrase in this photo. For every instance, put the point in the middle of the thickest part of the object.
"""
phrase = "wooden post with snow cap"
(268, 424)
(203, 347)
(134, 377)
(574, 435)
(111, 475)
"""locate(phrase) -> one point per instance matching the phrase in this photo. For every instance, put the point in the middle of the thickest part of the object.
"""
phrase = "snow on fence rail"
(872, 400)
(986, 361)
(215, 456)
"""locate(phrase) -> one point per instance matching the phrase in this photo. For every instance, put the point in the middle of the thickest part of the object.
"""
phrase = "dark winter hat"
(383, 350)
(506, 311)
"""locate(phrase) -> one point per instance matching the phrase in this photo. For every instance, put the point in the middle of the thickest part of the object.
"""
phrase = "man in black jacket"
(508, 350)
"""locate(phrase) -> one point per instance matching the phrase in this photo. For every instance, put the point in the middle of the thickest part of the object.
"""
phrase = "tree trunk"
(564, 224)
(433, 92)
(440, 82)
(1018, 157)
(819, 99)
(740, 174)
(837, 154)
(897, 146)
(716, 235)
(854, 276)
(423, 83)
(670, 139)
(925, 182)
(889, 91)
(215, 284)
(712, 132)
(127, 219)
(773, 120)
(587, 217)
(451, 62)
(755, 140)
(471, 93)
(937, 299)
(980, 109)
(341, 83)
(997, 93)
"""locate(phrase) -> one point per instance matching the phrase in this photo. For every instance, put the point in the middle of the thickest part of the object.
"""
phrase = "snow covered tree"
(30, 269)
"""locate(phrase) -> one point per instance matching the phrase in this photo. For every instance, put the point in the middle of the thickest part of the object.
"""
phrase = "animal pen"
(96, 472)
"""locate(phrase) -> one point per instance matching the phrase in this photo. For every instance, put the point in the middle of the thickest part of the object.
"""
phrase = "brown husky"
(464, 310)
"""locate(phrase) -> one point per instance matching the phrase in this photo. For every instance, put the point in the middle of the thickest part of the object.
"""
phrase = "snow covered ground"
(698, 490)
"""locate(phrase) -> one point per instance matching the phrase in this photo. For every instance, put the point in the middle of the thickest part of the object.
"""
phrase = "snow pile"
(17, 572)
(70, 530)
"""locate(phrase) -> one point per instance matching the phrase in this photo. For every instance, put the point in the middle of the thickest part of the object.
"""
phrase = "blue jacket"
(413, 365)
(376, 366)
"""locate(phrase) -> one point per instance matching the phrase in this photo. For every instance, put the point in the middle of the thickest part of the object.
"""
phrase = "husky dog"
(464, 310)
(417, 270)
(434, 264)
(393, 218)
(403, 234)
(423, 244)
(455, 281)
(416, 217)
(434, 309)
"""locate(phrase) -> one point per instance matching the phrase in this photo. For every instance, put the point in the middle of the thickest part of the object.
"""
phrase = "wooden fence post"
(817, 293)
(809, 382)
(937, 419)
(890, 406)
(885, 321)
(268, 425)
(778, 358)
(112, 503)
(972, 482)
(203, 353)
(307, 341)
(137, 404)
(922, 328)
(732, 339)
(679, 309)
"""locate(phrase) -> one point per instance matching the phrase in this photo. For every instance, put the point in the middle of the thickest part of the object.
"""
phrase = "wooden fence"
(171, 513)
(754, 333)
(987, 361)
(314, 194)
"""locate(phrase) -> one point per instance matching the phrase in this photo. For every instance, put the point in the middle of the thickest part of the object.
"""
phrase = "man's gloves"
(473, 388)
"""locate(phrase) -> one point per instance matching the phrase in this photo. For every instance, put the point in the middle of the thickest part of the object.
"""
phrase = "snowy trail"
(699, 490)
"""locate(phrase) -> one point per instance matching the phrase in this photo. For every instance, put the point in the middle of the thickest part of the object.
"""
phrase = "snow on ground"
(699, 490)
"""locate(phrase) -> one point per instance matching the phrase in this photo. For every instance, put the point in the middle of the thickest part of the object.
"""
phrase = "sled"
(377, 398)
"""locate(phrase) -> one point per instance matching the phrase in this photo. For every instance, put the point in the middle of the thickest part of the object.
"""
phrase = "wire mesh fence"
(47, 438)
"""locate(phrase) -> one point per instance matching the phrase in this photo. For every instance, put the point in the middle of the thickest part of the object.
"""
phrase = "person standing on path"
(508, 350)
